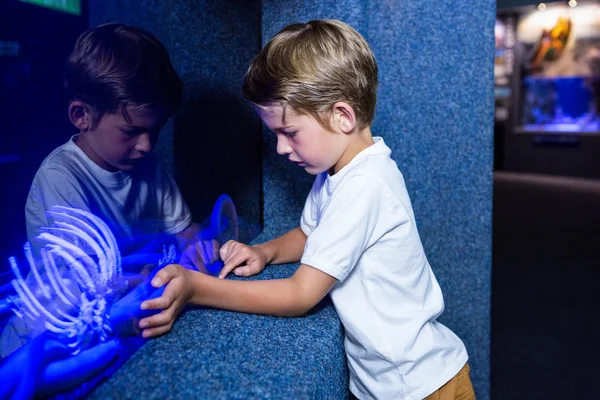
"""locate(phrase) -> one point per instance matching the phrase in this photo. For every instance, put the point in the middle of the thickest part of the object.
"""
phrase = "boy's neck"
(83, 143)
(357, 142)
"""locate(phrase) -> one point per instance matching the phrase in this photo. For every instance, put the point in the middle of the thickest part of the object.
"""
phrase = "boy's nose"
(144, 144)
(283, 147)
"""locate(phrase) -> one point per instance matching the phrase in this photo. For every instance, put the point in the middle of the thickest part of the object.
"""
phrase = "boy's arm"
(244, 260)
(285, 249)
(289, 297)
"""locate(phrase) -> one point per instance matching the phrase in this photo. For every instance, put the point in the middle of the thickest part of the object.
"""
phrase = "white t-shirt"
(361, 230)
(135, 205)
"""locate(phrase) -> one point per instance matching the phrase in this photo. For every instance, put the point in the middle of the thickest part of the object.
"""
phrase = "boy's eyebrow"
(129, 126)
(139, 127)
(280, 128)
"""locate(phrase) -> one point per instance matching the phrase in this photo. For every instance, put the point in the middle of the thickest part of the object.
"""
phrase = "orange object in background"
(551, 44)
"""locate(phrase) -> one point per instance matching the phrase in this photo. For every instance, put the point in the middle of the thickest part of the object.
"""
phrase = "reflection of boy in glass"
(122, 89)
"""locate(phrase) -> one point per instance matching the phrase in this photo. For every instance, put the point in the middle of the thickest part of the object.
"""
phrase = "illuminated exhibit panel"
(560, 86)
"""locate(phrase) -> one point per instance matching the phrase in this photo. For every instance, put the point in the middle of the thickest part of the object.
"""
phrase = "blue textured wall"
(435, 108)
(213, 142)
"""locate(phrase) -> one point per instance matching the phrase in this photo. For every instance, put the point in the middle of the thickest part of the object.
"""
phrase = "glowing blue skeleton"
(88, 248)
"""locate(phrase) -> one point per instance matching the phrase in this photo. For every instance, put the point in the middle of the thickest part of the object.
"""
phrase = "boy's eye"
(289, 134)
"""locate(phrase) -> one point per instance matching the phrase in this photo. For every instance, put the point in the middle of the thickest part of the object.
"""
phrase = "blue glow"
(564, 104)
(78, 293)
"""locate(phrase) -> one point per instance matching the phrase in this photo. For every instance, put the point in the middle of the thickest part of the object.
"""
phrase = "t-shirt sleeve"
(50, 187)
(176, 215)
(360, 212)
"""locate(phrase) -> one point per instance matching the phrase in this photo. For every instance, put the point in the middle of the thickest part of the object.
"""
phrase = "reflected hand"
(44, 367)
(125, 314)
(71, 372)
(234, 254)
(200, 254)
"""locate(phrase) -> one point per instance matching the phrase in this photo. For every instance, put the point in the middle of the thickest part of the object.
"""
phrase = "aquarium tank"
(559, 104)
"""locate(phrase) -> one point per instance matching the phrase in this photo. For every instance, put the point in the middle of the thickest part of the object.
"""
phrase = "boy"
(122, 89)
(314, 85)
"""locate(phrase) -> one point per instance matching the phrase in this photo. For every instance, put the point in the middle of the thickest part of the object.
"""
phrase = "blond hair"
(311, 66)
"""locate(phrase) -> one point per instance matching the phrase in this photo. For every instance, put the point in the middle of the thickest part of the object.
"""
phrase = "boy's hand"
(235, 253)
(199, 254)
(176, 295)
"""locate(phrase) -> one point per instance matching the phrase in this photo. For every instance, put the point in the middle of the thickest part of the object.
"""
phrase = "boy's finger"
(227, 268)
(224, 249)
(227, 247)
(231, 264)
(247, 270)
(160, 330)
(163, 302)
(241, 271)
(156, 320)
(164, 275)
(234, 255)
(153, 304)
(231, 255)
(224, 272)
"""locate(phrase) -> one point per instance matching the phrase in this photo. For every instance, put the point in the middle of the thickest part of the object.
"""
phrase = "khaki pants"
(457, 388)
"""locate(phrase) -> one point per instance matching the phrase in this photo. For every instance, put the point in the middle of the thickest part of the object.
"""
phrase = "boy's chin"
(313, 170)
(129, 166)
(125, 167)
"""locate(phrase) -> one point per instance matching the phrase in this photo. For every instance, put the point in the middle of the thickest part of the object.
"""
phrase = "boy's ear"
(80, 115)
(344, 116)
